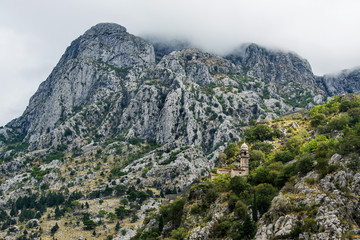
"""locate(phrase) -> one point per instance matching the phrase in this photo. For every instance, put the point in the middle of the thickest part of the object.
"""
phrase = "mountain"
(347, 81)
(124, 118)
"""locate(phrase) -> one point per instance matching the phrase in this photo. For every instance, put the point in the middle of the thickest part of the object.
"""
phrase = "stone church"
(241, 162)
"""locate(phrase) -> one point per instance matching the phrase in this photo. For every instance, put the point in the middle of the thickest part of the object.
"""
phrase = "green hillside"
(285, 153)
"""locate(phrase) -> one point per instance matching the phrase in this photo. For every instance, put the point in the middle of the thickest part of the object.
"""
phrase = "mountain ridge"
(120, 118)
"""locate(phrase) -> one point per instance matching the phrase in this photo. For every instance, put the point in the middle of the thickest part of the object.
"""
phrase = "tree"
(260, 175)
(240, 210)
(304, 164)
(339, 122)
(13, 211)
(222, 159)
(265, 193)
(317, 119)
(254, 209)
(346, 104)
(263, 146)
(257, 155)
(231, 150)
(173, 212)
(58, 212)
(294, 143)
(179, 234)
(111, 216)
(89, 224)
(283, 156)
(354, 113)
(238, 184)
(121, 212)
(54, 229)
(117, 227)
(249, 227)
(260, 132)
(124, 201)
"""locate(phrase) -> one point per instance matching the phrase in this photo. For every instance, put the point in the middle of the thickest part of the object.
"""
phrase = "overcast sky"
(34, 34)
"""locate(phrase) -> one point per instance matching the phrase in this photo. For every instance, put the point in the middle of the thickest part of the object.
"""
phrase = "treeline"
(34, 206)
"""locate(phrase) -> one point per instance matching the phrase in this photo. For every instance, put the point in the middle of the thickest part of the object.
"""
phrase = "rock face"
(273, 65)
(108, 79)
(288, 73)
(330, 208)
(83, 76)
(346, 81)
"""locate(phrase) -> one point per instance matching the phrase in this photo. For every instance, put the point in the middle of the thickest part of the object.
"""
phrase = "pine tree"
(58, 213)
(249, 227)
(117, 227)
(87, 205)
(13, 211)
(54, 229)
(254, 209)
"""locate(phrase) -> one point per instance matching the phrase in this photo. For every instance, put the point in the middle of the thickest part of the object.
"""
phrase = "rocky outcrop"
(347, 81)
(273, 65)
(289, 74)
(324, 210)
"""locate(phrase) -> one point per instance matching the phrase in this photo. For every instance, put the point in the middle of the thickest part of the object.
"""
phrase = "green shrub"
(231, 150)
(310, 180)
(339, 122)
(354, 162)
(173, 212)
(263, 146)
(283, 156)
(257, 156)
(238, 184)
(304, 164)
(178, 234)
(222, 228)
(240, 210)
(260, 132)
(265, 193)
(294, 143)
(317, 119)
(54, 229)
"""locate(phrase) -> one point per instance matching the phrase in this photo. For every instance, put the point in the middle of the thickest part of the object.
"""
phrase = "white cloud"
(20, 67)
(34, 34)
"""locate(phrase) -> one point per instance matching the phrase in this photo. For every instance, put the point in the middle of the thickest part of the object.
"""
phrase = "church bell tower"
(244, 159)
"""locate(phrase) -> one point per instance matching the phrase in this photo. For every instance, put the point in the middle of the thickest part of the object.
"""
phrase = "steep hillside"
(347, 81)
(121, 125)
(299, 186)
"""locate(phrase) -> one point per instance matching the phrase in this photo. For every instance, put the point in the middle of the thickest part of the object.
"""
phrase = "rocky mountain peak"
(273, 65)
(110, 43)
(105, 28)
(89, 70)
